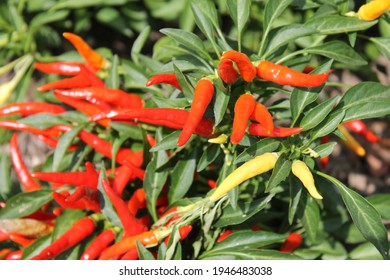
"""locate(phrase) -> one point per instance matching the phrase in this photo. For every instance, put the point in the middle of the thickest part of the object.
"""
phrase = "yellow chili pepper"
(373, 9)
(254, 167)
(221, 139)
(351, 142)
(300, 169)
(5, 91)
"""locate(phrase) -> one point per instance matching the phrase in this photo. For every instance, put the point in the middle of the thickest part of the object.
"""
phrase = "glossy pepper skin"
(373, 10)
(59, 68)
(257, 129)
(123, 246)
(243, 109)
(203, 95)
(95, 60)
(359, 127)
(292, 242)
(303, 173)
(30, 108)
(245, 67)
(169, 78)
(261, 115)
(25, 178)
(249, 169)
(101, 242)
(227, 72)
(77, 233)
(283, 75)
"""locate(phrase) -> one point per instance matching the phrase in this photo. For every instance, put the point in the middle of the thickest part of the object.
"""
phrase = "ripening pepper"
(373, 9)
(302, 171)
(252, 168)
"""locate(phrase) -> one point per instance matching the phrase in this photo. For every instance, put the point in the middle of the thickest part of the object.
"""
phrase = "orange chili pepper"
(245, 67)
(262, 115)
(243, 109)
(226, 71)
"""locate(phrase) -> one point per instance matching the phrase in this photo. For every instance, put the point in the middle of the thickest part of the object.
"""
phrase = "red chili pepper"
(95, 60)
(3, 236)
(115, 96)
(131, 255)
(137, 201)
(14, 125)
(292, 242)
(227, 72)
(212, 183)
(257, 129)
(77, 233)
(184, 231)
(101, 242)
(262, 115)
(151, 140)
(245, 67)
(25, 178)
(88, 178)
(124, 156)
(41, 216)
(60, 68)
(203, 95)
(83, 203)
(359, 127)
(53, 143)
(122, 176)
(15, 255)
(243, 109)
(168, 117)
(224, 235)
(83, 193)
(126, 244)
(4, 253)
(19, 239)
(30, 108)
(170, 211)
(164, 79)
(131, 225)
(283, 75)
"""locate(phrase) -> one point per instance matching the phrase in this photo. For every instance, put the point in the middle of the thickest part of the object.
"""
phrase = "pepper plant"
(212, 147)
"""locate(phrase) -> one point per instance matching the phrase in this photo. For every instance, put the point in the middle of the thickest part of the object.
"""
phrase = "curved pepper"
(227, 72)
(203, 94)
(283, 75)
(245, 67)
(168, 78)
(300, 169)
(252, 168)
(374, 9)
(261, 115)
(243, 109)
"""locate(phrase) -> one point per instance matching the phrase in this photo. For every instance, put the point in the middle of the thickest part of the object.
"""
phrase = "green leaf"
(182, 177)
(335, 24)
(5, 175)
(328, 125)
(112, 80)
(188, 39)
(163, 102)
(338, 51)
(284, 35)
(383, 45)
(42, 120)
(143, 253)
(133, 132)
(139, 43)
(240, 13)
(265, 145)
(318, 113)
(77, 4)
(365, 251)
(273, 9)
(220, 105)
(279, 173)
(154, 180)
(364, 216)
(167, 143)
(381, 202)
(295, 197)
(324, 150)
(64, 143)
(25, 203)
(242, 212)
(311, 217)
(115, 20)
(106, 206)
(185, 85)
(251, 254)
(46, 18)
(209, 155)
(36, 247)
(365, 100)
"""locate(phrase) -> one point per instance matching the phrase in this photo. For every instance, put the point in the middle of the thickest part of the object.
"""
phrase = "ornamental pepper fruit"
(257, 129)
(374, 9)
(249, 169)
(245, 67)
(351, 142)
(227, 72)
(261, 115)
(243, 109)
(283, 75)
(303, 173)
(359, 127)
(77, 233)
(101, 242)
(169, 78)
(203, 94)
(293, 241)
(95, 60)
(29, 108)
(59, 68)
